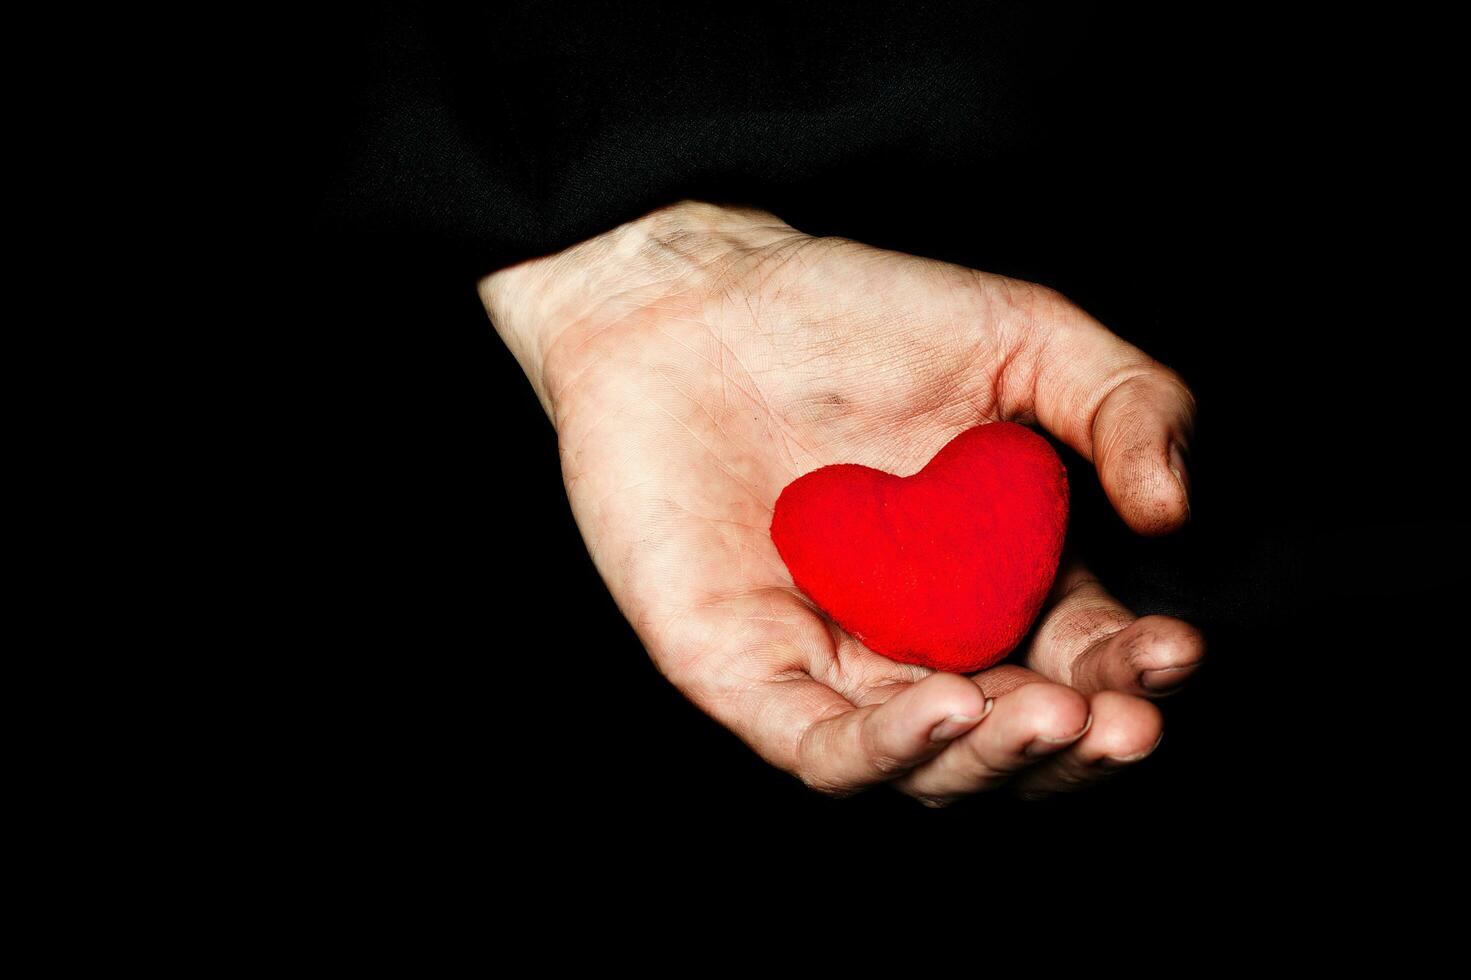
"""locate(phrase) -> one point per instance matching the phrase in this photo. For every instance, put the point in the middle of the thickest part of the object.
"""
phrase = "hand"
(697, 360)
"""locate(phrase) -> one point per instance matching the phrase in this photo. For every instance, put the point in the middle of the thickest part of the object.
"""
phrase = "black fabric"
(495, 132)
(1229, 188)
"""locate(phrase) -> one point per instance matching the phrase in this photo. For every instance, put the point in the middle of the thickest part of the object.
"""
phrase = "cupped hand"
(697, 360)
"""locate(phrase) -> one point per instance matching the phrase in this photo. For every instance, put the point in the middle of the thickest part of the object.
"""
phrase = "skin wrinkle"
(555, 400)
(695, 401)
(780, 649)
(1092, 627)
(764, 405)
(1111, 388)
(548, 366)
(810, 774)
(723, 526)
(725, 380)
(1161, 646)
(845, 670)
(768, 416)
(725, 348)
(768, 411)
(866, 694)
(570, 473)
(663, 651)
(1011, 409)
(716, 520)
(776, 259)
(598, 504)
(598, 420)
(755, 394)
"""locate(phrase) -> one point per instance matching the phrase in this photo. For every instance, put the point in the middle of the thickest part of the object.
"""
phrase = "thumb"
(1128, 414)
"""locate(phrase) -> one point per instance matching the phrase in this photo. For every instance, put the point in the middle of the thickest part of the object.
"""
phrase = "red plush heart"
(946, 568)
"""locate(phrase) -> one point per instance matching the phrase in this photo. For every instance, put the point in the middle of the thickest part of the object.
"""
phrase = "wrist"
(533, 303)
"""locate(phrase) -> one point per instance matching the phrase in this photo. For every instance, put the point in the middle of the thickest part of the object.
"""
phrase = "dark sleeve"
(517, 129)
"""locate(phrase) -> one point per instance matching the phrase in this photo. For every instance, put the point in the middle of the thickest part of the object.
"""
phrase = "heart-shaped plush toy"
(946, 568)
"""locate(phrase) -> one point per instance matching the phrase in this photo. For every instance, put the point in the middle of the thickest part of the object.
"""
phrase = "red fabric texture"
(946, 568)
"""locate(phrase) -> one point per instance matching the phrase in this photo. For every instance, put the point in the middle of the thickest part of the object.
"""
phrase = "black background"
(1243, 194)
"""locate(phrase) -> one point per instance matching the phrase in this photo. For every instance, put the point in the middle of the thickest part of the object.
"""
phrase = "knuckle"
(1035, 294)
(877, 760)
(824, 785)
(1168, 378)
(885, 765)
(1164, 641)
(932, 799)
(1031, 300)
(817, 773)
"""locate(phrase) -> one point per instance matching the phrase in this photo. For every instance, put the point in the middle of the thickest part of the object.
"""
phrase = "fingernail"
(1124, 760)
(1042, 745)
(957, 725)
(1165, 678)
(1181, 472)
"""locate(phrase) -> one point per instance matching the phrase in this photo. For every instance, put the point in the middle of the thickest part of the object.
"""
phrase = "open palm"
(697, 361)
